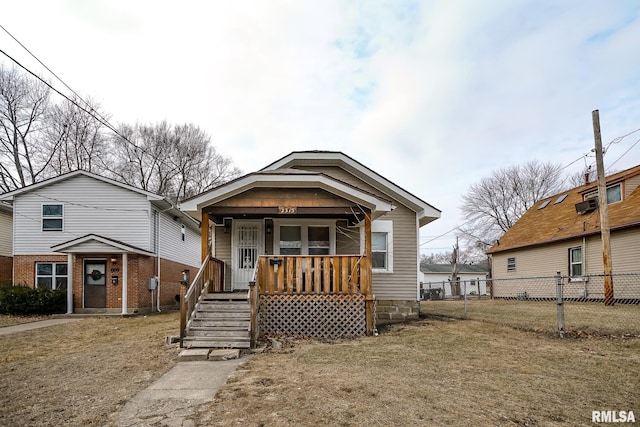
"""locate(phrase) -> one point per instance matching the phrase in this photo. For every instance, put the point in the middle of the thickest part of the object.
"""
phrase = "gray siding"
(173, 248)
(90, 206)
(6, 233)
(403, 283)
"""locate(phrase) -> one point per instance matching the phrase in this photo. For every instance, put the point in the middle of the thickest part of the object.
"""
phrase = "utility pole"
(605, 230)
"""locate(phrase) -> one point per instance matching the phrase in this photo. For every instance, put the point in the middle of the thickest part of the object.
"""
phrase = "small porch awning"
(94, 244)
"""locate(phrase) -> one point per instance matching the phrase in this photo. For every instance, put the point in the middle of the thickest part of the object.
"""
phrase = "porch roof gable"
(104, 244)
(287, 179)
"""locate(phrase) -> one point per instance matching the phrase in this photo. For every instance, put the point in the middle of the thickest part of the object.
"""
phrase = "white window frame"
(43, 217)
(572, 262)
(304, 225)
(53, 273)
(381, 226)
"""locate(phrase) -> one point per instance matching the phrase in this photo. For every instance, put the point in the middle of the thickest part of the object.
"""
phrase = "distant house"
(107, 243)
(438, 276)
(561, 233)
(6, 243)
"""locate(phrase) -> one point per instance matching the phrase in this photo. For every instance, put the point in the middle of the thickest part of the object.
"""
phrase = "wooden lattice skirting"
(311, 315)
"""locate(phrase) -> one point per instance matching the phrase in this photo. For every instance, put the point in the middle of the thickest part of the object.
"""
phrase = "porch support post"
(69, 283)
(366, 274)
(204, 228)
(125, 282)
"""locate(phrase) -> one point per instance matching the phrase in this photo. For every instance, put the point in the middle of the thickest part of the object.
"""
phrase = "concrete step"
(205, 342)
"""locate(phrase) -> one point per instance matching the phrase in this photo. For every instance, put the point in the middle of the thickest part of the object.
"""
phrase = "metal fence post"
(560, 303)
(464, 292)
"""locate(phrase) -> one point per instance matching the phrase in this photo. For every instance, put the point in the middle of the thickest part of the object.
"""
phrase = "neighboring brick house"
(6, 243)
(106, 239)
(561, 233)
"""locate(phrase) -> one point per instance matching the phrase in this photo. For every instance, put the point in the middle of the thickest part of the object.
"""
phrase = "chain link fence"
(554, 304)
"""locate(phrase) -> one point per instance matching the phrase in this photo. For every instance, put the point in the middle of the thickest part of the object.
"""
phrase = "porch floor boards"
(222, 320)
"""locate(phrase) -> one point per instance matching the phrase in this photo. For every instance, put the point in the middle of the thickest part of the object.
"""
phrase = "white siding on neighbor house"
(172, 247)
(91, 206)
(437, 280)
(6, 233)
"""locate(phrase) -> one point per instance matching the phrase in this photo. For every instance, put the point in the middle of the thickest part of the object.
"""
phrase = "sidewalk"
(173, 399)
(34, 325)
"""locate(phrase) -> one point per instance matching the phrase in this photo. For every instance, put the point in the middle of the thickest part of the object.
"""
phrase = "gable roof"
(426, 212)
(157, 200)
(104, 244)
(446, 268)
(69, 175)
(286, 178)
(555, 218)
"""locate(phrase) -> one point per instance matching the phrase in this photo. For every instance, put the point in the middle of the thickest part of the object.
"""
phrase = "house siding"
(222, 245)
(173, 248)
(631, 184)
(6, 233)
(90, 206)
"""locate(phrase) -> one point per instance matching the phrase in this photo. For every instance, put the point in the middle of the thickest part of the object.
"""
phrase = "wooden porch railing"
(210, 278)
(312, 274)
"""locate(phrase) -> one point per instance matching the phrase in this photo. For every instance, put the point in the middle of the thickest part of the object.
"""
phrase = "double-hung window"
(511, 264)
(575, 261)
(381, 246)
(51, 275)
(315, 238)
(52, 217)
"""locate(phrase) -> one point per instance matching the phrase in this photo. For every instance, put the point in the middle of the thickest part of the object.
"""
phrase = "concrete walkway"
(173, 399)
(34, 325)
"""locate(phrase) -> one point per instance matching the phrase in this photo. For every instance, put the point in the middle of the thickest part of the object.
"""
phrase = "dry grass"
(434, 373)
(78, 373)
(580, 317)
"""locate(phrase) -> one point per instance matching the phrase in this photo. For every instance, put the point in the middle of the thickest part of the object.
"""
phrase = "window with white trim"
(511, 264)
(52, 217)
(51, 275)
(575, 261)
(381, 246)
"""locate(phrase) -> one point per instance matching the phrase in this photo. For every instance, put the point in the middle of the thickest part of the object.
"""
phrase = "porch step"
(221, 320)
(226, 296)
(222, 342)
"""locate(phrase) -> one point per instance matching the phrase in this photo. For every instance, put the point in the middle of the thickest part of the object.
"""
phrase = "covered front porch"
(301, 251)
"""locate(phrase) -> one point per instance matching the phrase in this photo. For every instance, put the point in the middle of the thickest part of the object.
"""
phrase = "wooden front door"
(247, 246)
(95, 283)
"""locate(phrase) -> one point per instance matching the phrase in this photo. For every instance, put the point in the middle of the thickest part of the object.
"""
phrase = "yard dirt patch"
(78, 373)
(462, 373)
(9, 320)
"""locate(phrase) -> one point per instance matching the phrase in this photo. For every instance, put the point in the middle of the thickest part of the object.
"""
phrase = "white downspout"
(125, 282)
(69, 283)
(158, 258)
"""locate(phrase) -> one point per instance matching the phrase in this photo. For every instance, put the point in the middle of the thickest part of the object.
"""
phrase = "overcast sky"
(433, 95)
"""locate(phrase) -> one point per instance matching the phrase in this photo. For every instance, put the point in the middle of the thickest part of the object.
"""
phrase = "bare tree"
(494, 204)
(83, 144)
(173, 161)
(25, 151)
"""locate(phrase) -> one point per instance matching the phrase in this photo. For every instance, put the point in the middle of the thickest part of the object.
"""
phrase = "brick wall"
(25, 267)
(388, 311)
(170, 277)
(6, 270)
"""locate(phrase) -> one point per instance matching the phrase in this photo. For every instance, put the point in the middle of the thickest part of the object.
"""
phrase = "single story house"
(115, 248)
(318, 232)
(561, 233)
